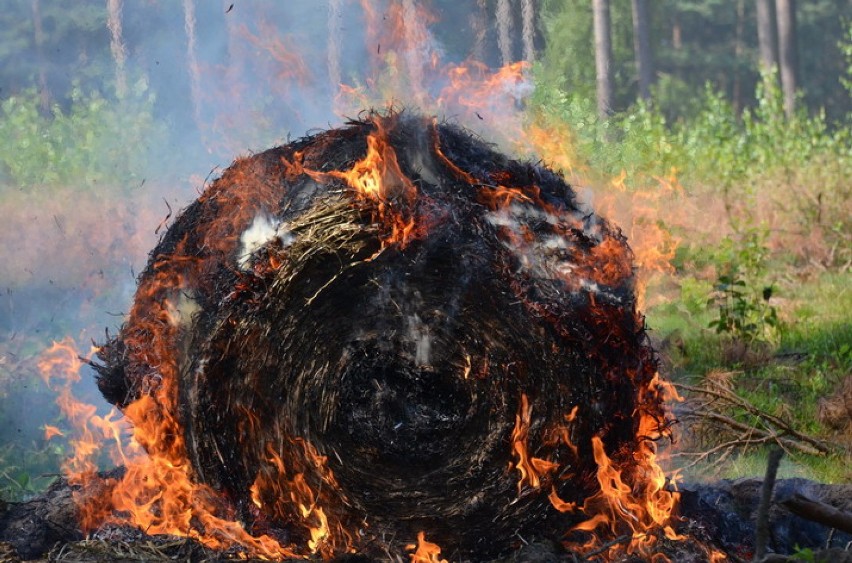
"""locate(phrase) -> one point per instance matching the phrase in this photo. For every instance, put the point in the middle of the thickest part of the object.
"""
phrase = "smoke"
(195, 84)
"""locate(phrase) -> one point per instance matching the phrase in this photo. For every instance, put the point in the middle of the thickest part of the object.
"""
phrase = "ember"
(385, 333)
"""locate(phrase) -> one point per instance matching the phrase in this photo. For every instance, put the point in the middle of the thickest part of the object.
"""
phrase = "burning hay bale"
(386, 329)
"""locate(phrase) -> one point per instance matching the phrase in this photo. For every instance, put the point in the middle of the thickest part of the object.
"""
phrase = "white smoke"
(263, 230)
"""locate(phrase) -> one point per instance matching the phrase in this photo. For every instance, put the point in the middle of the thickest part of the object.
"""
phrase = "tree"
(528, 18)
(787, 47)
(192, 61)
(479, 26)
(766, 34)
(119, 52)
(43, 92)
(603, 55)
(737, 93)
(504, 31)
(334, 31)
(642, 47)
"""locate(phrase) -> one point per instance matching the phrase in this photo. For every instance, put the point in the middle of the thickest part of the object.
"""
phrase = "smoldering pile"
(385, 329)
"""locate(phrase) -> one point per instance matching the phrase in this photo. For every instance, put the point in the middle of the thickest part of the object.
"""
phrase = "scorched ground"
(387, 329)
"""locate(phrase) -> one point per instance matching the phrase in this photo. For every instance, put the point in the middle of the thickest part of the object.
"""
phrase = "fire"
(156, 493)
(641, 509)
(479, 94)
(426, 551)
(644, 207)
(530, 468)
(378, 180)
(52, 432)
(554, 144)
(406, 65)
(273, 487)
(60, 367)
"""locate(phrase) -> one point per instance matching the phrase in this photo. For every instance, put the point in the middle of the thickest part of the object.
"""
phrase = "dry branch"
(733, 399)
(714, 406)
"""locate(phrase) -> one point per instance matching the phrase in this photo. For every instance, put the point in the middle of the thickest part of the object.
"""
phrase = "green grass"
(787, 378)
(831, 469)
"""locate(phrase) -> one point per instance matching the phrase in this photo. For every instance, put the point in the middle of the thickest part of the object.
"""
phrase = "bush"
(94, 140)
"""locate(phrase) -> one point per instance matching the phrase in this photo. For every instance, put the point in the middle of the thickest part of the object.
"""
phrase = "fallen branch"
(818, 511)
(764, 435)
(724, 449)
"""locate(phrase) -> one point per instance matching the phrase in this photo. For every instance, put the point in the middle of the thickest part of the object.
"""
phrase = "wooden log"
(818, 511)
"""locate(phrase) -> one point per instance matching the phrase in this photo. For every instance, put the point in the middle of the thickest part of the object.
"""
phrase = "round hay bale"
(387, 328)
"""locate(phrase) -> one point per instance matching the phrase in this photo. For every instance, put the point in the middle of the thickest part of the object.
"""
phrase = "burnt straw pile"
(388, 329)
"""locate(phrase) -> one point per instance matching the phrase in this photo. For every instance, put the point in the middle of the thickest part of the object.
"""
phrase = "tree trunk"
(116, 45)
(504, 31)
(192, 61)
(415, 54)
(738, 54)
(787, 47)
(479, 25)
(333, 56)
(766, 34)
(603, 55)
(43, 92)
(677, 32)
(642, 47)
(528, 16)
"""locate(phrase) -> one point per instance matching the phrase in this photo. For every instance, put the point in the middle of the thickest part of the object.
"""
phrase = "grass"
(833, 469)
(786, 378)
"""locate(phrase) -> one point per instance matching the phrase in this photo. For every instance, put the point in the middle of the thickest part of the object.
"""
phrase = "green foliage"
(73, 36)
(714, 144)
(845, 46)
(741, 294)
(28, 463)
(803, 554)
(741, 314)
(569, 59)
(33, 472)
(95, 141)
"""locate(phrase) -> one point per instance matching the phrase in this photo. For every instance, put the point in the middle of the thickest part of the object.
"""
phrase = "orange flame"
(643, 211)
(426, 551)
(530, 468)
(274, 490)
(52, 432)
(156, 493)
(378, 179)
(59, 367)
(643, 508)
